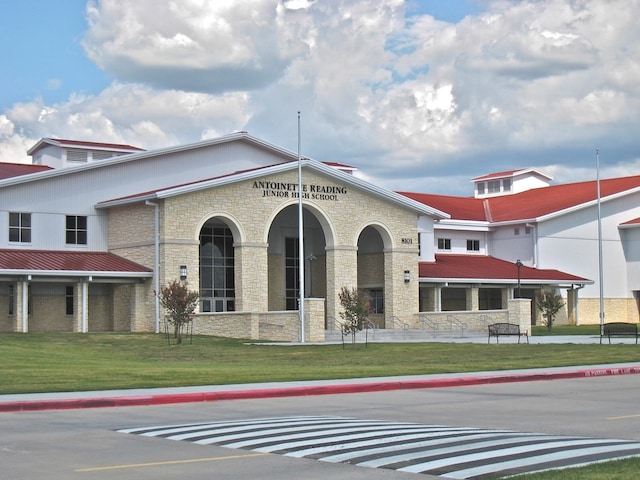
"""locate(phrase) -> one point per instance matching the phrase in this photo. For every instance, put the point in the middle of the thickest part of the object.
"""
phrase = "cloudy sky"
(420, 95)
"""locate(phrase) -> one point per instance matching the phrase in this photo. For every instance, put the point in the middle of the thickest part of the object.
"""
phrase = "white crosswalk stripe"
(451, 452)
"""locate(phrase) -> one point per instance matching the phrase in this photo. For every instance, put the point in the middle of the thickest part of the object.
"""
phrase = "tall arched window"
(217, 270)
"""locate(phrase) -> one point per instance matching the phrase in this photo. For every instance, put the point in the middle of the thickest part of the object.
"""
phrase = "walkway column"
(21, 322)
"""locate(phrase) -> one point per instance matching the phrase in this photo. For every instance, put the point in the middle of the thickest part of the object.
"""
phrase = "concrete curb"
(123, 400)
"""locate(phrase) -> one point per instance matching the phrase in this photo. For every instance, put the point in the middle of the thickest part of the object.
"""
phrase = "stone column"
(314, 319)
(342, 271)
(520, 313)
(21, 319)
(401, 297)
(473, 300)
(251, 277)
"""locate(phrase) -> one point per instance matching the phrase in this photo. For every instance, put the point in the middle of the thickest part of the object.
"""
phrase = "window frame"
(376, 300)
(473, 245)
(20, 227)
(76, 234)
(444, 244)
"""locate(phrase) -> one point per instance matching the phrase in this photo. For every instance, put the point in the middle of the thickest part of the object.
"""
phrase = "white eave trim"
(467, 225)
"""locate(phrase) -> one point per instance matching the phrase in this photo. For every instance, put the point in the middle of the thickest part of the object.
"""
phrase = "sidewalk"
(210, 393)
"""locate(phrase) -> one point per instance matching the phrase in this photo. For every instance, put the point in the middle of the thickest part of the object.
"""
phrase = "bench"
(506, 330)
(619, 329)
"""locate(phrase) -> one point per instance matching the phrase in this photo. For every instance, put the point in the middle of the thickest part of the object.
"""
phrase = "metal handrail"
(403, 325)
(425, 322)
(454, 321)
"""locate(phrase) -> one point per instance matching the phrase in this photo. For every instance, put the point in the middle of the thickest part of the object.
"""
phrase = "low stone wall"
(469, 320)
(281, 326)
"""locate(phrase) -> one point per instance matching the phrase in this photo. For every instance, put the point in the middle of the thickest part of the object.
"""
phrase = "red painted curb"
(296, 391)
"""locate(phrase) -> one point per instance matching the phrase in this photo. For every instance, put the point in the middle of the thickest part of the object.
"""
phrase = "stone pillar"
(314, 320)
(77, 308)
(400, 296)
(251, 277)
(141, 320)
(572, 306)
(473, 299)
(21, 319)
(520, 313)
(342, 271)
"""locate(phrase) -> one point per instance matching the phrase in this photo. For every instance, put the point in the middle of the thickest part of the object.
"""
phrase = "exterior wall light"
(183, 272)
(407, 276)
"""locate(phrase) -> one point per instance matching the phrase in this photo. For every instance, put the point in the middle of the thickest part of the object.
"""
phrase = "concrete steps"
(402, 335)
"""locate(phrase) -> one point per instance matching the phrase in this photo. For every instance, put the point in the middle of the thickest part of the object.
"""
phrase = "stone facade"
(250, 210)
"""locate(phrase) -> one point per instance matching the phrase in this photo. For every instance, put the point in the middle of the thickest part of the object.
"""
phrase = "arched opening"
(371, 272)
(284, 259)
(217, 267)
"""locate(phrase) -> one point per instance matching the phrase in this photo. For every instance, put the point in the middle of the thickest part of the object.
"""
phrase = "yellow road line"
(170, 462)
(623, 417)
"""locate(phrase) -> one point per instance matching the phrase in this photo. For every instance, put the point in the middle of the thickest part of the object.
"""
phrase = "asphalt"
(211, 393)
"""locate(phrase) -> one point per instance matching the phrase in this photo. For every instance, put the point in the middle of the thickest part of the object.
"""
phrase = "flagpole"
(300, 240)
(600, 275)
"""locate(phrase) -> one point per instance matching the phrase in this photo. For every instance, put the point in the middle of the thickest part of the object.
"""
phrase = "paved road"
(99, 443)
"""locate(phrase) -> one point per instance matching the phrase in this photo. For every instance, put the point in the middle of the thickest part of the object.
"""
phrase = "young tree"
(180, 303)
(549, 304)
(356, 308)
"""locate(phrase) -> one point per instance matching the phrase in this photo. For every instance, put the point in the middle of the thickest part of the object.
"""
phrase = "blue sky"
(42, 54)
(419, 95)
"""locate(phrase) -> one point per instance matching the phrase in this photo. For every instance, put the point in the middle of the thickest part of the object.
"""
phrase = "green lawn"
(74, 362)
(71, 362)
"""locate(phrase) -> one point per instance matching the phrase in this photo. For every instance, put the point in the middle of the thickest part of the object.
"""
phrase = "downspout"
(156, 261)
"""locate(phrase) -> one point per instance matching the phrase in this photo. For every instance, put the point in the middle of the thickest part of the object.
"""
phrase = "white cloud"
(407, 99)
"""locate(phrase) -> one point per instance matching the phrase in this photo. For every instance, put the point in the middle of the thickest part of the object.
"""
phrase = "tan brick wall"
(615, 310)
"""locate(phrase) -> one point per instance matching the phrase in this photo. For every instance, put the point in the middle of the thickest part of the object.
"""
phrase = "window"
(76, 233)
(490, 299)
(506, 185)
(527, 230)
(376, 300)
(480, 188)
(12, 300)
(444, 244)
(516, 231)
(494, 186)
(75, 155)
(291, 272)
(69, 300)
(217, 268)
(473, 245)
(19, 227)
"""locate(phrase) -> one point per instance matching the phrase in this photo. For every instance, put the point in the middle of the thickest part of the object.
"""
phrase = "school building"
(93, 229)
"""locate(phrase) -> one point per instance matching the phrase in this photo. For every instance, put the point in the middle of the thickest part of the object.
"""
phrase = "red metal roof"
(62, 261)
(8, 170)
(483, 267)
(460, 208)
(632, 222)
(527, 205)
